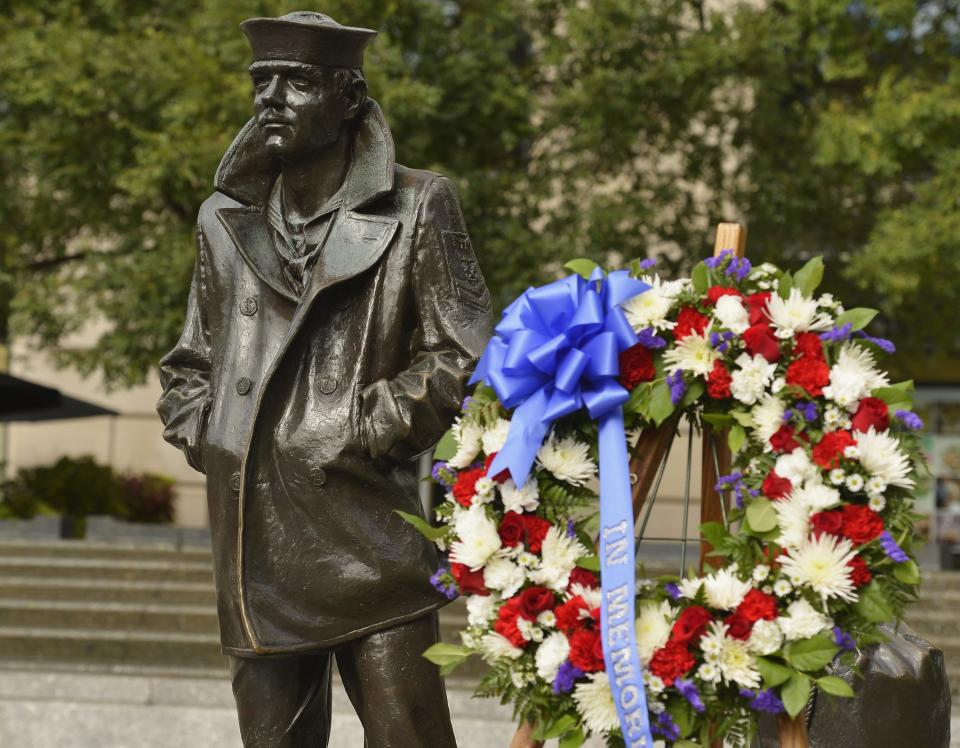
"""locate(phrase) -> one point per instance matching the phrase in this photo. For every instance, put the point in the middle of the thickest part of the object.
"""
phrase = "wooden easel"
(716, 459)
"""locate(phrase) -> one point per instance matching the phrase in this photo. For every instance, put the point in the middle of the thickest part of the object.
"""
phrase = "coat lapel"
(250, 231)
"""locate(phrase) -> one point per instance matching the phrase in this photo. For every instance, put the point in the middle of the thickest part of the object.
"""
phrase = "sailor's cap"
(307, 37)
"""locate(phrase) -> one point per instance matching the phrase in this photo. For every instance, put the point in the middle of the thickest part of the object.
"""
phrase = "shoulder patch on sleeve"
(464, 270)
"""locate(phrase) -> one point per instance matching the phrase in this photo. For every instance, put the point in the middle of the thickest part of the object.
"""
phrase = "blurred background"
(610, 129)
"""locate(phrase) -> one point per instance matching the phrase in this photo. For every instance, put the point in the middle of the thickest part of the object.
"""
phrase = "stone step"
(108, 591)
(104, 569)
(21, 613)
(88, 549)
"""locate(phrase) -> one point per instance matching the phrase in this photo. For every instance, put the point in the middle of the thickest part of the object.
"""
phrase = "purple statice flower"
(444, 474)
(666, 726)
(567, 675)
(649, 339)
(677, 386)
(837, 334)
(739, 268)
(571, 530)
(688, 690)
(843, 639)
(672, 590)
(891, 548)
(763, 701)
(442, 582)
(883, 344)
(754, 492)
(788, 415)
(647, 264)
(714, 262)
(721, 340)
(465, 404)
(809, 411)
(734, 483)
(909, 419)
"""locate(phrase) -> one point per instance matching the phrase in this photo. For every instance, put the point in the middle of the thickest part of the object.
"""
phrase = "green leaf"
(573, 739)
(873, 605)
(683, 716)
(858, 318)
(714, 533)
(773, 673)
(736, 438)
(808, 278)
(428, 531)
(717, 419)
(893, 396)
(835, 686)
(446, 447)
(639, 401)
(761, 515)
(686, 744)
(908, 573)
(661, 405)
(581, 266)
(796, 694)
(590, 563)
(786, 286)
(743, 418)
(693, 393)
(555, 729)
(700, 278)
(447, 655)
(811, 654)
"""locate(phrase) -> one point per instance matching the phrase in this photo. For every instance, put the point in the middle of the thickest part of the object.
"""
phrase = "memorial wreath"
(538, 528)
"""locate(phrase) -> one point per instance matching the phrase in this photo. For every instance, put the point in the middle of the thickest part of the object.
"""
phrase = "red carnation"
(783, 440)
(499, 477)
(671, 662)
(689, 321)
(808, 344)
(829, 449)
(760, 340)
(757, 606)
(860, 524)
(826, 522)
(757, 302)
(535, 600)
(469, 582)
(776, 487)
(691, 625)
(715, 293)
(536, 530)
(568, 614)
(812, 374)
(636, 366)
(738, 626)
(466, 486)
(718, 381)
(586, 650)
(506, 623)
(872, 411)
(859, 571)
(584, 578)
(511, 529)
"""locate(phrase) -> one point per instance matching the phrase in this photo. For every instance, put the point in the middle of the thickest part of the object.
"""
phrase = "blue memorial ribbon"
(556, 350)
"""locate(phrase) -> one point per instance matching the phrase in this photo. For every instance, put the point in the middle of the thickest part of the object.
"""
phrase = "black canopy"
(22, 400)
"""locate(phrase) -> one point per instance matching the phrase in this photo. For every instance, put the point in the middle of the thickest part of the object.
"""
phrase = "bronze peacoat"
(305, 413)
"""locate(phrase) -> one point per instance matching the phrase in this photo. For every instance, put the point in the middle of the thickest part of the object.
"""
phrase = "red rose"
(859, 571)
(689, 321)
(872, 411)
(569, 616)
(826, 522)
(829, 449)
(715, 293)
(499, 477)
(691, 625)
(584, 578)
(672, 661)
(536, 530)
(738, 626)
(469, 582)
(757, 606)
(757, 302)
(775, 487)
(860, 524)
(636, 366)
(586, 650)
(718, 381)
(506, 623)
(511, 529)
(808, 344)
(466, 486)
(535, 600)
(812, 374)
(761, 341)
(783, 440)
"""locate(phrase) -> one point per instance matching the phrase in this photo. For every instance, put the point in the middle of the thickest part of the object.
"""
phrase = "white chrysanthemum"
(765, 638)
(833, 417)
(467, 434)
(484, 490)
(853, 377)
(478, 537)
(568, 459)
(731, 656)
(503, 574)
(782, 588)
(592, 596)
(732, 314)
(817, 496)
(796, 313)
(880, 455)
(708, 673)
(650, 309)
(852, 452)
(793, 519)
(821, 564)
(877, 502)
(724, 590)
(494, 437)
(559, 554)
(767, 418)
(689, 586)
(875, 485)
(802, 621)
(529, 630)
(547, 619)
(692, 354)
(760, 572)
(494, 646)
(595, 703)
(854, 482)
(797, 467)
(653, 628)
(481, 608)
(520, 500)
(749, 382)
(551, 654)
(838, 476)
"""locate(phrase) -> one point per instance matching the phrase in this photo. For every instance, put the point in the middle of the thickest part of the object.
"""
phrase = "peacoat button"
(248, 307)
(235, 482)
(318, 476)
(328, 385)
(343, 303)
(243, 385)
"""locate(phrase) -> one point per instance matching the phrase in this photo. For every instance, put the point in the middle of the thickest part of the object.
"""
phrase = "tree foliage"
(609, 129)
